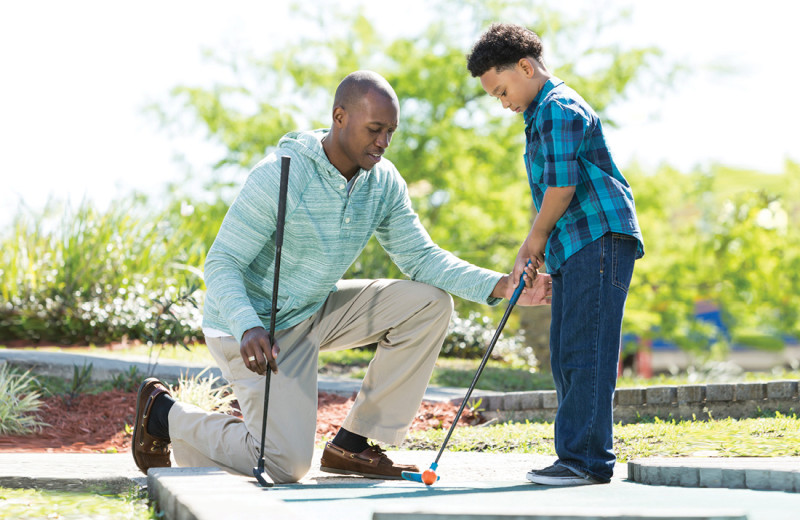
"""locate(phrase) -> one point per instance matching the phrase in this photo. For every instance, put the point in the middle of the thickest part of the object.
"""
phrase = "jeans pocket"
(623, 256)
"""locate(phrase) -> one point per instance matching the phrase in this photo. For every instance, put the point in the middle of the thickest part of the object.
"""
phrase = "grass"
(774, 436)
(33, 503)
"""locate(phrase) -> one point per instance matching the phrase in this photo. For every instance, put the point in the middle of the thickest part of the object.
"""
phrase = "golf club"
(429, 476)
(258, 472)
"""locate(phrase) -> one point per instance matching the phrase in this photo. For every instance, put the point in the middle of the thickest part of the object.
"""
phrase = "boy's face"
(514, 87)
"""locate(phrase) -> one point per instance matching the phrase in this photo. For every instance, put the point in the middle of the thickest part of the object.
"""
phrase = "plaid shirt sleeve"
(562, 129)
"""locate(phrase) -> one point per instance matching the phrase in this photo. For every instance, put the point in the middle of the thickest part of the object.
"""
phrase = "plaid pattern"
(565, 147)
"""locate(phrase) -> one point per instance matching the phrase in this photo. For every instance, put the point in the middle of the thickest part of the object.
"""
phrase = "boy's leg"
(200, 438)
(589, 293)
(408, 320)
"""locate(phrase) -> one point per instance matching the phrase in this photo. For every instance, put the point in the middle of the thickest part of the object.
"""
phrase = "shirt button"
(347, 220)
(341, 186)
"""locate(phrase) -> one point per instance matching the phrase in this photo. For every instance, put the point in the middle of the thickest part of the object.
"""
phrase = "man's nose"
(383, 140)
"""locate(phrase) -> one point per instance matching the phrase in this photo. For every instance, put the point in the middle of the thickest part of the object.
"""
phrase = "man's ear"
(339, 117)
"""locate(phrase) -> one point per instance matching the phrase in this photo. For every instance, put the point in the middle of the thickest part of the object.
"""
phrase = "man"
(341, 192)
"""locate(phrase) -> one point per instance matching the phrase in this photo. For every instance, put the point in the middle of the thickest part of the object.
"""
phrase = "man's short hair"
(502, 46)
(355, 86)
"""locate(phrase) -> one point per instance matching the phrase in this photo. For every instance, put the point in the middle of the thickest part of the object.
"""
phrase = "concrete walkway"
(472, 485)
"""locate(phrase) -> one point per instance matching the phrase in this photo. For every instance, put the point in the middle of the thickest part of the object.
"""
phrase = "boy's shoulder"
(558, 97)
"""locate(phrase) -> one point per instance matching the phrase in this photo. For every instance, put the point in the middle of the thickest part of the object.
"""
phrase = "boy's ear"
(526, 67)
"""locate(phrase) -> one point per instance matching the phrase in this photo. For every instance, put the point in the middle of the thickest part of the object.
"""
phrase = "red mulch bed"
(96, 423)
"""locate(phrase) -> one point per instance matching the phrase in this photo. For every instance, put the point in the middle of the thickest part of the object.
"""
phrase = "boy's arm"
(554, 205)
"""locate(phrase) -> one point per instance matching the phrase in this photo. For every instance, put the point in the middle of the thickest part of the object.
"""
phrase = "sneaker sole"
(560, 481)
(358, 473)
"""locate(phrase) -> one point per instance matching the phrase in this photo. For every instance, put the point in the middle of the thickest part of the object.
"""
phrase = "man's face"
(511, 86)
(367, 129)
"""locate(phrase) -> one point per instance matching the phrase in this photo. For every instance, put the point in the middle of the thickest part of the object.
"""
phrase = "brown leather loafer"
(148, 451)
(370, 463)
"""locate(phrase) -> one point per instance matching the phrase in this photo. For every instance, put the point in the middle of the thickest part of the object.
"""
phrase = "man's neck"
(331, 154)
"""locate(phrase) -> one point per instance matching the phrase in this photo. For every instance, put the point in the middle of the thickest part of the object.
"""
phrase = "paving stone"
(532, 400)
(630, 396)
(513, 401)
(720, 392)
(733, 479)
(660, 395)
(550, 400)
(781, 389)
(710, 477)
(691, 393)
(750, 391)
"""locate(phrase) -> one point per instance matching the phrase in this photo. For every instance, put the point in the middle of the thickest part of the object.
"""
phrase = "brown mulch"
(97, 423)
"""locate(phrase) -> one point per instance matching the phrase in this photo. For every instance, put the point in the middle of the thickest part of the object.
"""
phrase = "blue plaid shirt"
(565, 147)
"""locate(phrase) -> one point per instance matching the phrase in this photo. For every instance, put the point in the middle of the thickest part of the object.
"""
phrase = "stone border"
(698, 402)
(773, 474)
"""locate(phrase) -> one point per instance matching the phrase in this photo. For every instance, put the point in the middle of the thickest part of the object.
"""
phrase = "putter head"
(260, 476)
(418, 477)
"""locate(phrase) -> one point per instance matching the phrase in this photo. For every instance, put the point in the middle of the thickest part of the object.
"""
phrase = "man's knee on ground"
(290, 466)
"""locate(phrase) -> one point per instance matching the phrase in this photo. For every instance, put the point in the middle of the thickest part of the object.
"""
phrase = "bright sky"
(76, 76)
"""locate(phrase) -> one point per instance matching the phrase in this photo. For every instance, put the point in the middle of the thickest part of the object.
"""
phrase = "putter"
(429, 476)
(258, 472)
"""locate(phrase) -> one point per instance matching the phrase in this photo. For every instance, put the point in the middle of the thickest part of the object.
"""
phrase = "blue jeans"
(589, 292)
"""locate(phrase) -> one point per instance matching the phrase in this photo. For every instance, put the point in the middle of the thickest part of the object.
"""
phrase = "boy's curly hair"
(502, 46)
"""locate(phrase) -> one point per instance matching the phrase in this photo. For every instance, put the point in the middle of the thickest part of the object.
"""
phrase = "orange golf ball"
(428, 477)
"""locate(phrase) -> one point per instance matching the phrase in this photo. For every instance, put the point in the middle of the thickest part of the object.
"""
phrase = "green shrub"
(469, 337)
(19, 404)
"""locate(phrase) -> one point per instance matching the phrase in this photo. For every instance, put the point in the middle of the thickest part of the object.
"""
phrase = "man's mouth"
(376, 157)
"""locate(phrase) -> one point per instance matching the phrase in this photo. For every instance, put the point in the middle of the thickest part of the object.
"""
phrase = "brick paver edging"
(736, 400)
(774, 474)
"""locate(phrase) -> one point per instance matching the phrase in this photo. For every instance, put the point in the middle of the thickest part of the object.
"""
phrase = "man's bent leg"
(408, 320)
(201, 438)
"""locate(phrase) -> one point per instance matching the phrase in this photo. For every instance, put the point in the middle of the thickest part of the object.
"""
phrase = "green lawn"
(34, 503)
(775, 436)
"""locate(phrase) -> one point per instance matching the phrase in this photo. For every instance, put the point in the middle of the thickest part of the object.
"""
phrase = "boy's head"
(508, 60)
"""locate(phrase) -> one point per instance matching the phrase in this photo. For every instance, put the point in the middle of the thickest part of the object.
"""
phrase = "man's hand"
(257, 352)
(537, 292)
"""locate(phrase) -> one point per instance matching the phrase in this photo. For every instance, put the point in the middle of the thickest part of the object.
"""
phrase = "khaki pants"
(408, 320)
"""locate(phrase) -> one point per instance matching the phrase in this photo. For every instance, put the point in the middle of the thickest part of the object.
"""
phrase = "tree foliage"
(459, 154)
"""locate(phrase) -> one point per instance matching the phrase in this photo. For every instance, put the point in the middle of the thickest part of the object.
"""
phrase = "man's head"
(365, 116)
(508, 60)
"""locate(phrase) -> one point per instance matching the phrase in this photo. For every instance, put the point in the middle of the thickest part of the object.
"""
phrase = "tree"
(459, 154)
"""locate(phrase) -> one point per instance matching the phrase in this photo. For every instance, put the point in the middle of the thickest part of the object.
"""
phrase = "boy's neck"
(540, 75)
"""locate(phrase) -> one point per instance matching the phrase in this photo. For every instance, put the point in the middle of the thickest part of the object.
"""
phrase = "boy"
(586, 234)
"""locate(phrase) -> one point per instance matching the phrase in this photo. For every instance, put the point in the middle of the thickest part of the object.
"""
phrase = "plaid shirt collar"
(530, 112)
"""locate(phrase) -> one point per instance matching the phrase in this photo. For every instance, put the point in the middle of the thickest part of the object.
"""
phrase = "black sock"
(350, 441)
(158, 425)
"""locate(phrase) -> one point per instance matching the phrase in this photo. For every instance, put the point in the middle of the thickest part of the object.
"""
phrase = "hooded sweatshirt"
(325, 230)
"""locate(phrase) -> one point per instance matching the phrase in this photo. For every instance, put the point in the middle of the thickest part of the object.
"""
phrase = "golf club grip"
(280, 222)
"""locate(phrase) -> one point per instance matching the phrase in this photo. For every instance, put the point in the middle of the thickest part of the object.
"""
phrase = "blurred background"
(125, 132)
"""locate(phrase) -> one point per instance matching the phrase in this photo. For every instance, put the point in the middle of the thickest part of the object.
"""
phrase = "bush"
(19, 404)
(468, 338)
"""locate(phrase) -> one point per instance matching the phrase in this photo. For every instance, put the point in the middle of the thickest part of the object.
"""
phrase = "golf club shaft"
(284, 185)
(488, 353)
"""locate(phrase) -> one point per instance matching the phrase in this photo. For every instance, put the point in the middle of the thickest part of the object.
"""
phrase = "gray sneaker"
(559, 475)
